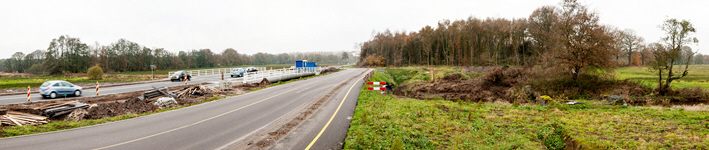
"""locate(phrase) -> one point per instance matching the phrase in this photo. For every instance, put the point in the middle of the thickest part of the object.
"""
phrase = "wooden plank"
(24, 114)
(14, 121)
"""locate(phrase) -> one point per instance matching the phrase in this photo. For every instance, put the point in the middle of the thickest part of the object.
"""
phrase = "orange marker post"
(185, 79)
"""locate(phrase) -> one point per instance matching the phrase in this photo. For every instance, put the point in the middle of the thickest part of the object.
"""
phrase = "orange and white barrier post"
(28, 95)
(96, 88)
(185, 79)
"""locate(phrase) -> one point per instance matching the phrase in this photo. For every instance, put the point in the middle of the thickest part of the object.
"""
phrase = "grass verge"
(384, 122)
(63, 124)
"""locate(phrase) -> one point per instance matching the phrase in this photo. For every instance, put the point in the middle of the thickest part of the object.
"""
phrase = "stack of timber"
(60, 108)
(14, 118)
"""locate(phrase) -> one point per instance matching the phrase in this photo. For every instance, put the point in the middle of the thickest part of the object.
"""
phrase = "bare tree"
(630, 43)
(678, 35)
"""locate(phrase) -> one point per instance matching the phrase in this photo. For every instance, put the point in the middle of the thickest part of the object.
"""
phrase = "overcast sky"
(290, 26)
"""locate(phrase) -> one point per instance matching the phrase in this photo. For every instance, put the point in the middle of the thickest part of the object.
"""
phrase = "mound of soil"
(497, 85)
(452, 77)
(264, 82)
(114, 109)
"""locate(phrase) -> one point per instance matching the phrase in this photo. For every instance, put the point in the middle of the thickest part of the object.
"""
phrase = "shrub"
(36, 69)
(373, 61)
(95, 73)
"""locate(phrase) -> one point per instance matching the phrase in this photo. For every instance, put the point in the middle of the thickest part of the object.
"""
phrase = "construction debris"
(225, 85)
(153, 94)
(165, 102)
(19, 119)
(63, 108)
(196, 91)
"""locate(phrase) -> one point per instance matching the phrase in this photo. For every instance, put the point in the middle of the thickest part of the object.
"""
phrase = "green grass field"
(698, 76)
(384, 122)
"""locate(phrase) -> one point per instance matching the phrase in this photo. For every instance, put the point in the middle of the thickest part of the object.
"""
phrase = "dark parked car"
(251, 69)
(180, 76)
(51, 89)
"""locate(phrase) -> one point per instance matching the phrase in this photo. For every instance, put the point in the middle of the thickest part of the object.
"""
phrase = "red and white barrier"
(96, 88)
(28, 94)
(185, 79)
(377, 88)
(376, 83)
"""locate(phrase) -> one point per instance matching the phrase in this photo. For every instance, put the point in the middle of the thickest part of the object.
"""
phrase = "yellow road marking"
(168, 131)
(333, 117)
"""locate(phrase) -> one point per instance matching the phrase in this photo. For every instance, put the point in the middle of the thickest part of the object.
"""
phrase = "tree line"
(548, 35)
(568, 38)
(69, 55)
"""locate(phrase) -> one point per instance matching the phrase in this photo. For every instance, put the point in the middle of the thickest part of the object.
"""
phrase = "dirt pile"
(131, 106)
(497, 85)
(452, 77)
(264, 82)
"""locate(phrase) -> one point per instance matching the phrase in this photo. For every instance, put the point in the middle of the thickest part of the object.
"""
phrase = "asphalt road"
(332, 136)
(209, 125)
(11, 99)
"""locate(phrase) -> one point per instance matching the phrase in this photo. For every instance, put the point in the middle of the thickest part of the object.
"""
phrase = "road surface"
(210, 125)
(332, 136)
(12, 99)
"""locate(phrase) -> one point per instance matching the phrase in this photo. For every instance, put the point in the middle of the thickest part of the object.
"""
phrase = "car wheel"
(190, 79)
(52, 95)
(77, 93)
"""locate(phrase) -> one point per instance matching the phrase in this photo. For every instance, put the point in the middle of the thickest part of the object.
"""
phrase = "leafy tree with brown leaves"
(678, 36)
(584, 41)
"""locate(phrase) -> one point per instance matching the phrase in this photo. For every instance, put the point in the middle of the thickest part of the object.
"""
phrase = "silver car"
(51, 89)
(237, 72)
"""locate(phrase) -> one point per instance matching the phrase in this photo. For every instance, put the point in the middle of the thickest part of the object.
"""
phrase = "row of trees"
(569, 37)
(543, 36)
(69, 54)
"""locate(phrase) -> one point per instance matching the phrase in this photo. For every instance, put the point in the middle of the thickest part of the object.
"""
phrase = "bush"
(373, 61)
(36, 69)
(95, 73)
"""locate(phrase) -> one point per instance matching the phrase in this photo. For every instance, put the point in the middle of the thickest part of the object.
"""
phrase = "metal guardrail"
(253, 77)
(211, 71)
(280, 74)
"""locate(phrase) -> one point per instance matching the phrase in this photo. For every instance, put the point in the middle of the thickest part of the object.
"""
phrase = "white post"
(198, 73)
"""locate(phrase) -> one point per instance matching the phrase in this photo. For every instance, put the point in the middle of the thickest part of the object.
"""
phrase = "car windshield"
(178, 73)
(46, 84)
